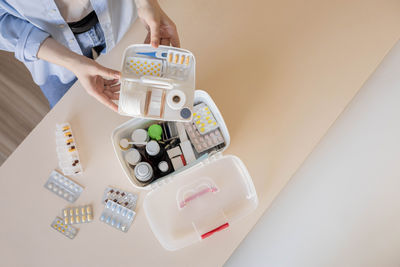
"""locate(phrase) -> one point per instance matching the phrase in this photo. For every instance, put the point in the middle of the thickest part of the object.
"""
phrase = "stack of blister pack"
(119, 208)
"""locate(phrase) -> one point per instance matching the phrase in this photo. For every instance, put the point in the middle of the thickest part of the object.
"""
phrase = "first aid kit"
(193, 189)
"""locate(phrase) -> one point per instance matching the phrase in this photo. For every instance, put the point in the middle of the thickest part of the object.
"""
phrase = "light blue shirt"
(25, 24)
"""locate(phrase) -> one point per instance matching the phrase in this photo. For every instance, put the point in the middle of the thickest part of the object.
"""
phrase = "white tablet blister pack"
(117, 216)
(75, 215)
(203, 142)
(66, 230)
(123, 198)
(63, 187)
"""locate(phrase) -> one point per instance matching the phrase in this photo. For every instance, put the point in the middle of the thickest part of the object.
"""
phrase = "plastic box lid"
(157, 83)
(200, 201)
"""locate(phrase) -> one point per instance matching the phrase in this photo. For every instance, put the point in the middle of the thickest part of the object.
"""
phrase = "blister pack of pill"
(179, 58)
(75, 215)
(203, 142)
(203, 119)
(120, 197)
(178, 64)
(144, 66)
(67, 151)
(67, 230)
(63, 187)
(117, 216)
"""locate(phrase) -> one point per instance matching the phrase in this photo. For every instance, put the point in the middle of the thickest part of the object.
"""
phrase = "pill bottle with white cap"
(143, 172)
(154, 153)
(164, 168)
(140, 137)
(133, 157)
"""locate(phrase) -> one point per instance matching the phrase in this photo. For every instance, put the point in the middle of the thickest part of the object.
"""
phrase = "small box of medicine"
(157, 83)
(206, 191)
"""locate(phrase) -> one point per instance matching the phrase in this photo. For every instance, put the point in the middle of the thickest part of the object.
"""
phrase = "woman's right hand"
(100, 82)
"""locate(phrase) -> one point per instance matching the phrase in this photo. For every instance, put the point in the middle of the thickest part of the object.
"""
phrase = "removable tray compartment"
(157, 83)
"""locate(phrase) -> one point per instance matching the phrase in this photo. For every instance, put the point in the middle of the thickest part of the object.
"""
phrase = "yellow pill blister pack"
(203, 119)
(144, 66)
(67, 230)
(75, 215)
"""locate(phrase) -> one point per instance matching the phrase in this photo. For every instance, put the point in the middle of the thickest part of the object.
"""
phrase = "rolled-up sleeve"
(20, 36)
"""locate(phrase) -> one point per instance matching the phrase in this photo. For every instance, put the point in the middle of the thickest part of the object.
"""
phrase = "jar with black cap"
(154, 152)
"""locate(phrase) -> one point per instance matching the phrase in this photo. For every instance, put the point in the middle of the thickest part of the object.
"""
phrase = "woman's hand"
(161, 29)
(100, 82)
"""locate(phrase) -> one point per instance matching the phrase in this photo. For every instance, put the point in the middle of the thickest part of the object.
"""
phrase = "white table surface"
(342, 207)
(280, 72)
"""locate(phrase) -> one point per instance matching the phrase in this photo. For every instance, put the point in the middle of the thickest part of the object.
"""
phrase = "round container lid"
(124, 143)
(186, 113)
(163, 166)
(140, 135)
(152, 148)
(143, 172)
(155, 132)
(133, 157)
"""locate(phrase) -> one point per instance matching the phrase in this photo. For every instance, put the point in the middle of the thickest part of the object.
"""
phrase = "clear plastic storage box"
(200, 199)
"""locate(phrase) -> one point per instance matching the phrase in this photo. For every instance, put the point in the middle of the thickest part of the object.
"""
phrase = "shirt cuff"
(29, 43)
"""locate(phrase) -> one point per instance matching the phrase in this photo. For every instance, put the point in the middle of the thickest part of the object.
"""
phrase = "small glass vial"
(163, 167)
(143, 172)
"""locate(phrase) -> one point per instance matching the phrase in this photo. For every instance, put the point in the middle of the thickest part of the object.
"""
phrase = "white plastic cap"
(124, 143)
(143, 172)
(163, 166)
(140, 135)
(133, 157)
(152, 148)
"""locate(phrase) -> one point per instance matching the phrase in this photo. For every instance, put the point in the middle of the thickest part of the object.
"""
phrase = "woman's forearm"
(54, 52)
(93, 76)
